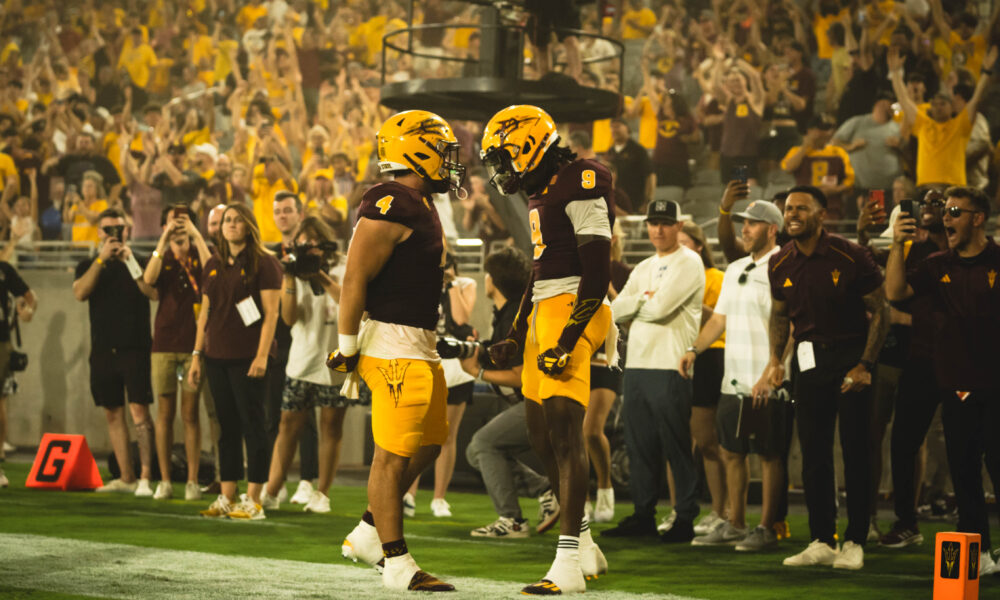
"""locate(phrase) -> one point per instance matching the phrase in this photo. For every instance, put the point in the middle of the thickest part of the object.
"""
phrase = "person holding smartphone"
(235, 332)
(175, 271)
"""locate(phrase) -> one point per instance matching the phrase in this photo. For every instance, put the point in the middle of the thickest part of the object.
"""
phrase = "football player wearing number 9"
(571, 211)
(394, 272)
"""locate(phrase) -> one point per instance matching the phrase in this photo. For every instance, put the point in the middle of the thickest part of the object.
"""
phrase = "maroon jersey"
(552, 231)
(407, 290)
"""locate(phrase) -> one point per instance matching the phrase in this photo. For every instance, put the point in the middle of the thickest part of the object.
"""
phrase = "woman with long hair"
(239, 310)
(309, 306)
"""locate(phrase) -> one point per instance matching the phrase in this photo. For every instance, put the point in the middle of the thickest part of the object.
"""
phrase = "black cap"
(663, 210)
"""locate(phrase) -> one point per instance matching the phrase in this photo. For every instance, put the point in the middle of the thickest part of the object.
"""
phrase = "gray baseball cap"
(762, 210)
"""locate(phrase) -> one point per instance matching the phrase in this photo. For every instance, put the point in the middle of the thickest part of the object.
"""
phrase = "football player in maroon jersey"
(571, 212)
(397, 253)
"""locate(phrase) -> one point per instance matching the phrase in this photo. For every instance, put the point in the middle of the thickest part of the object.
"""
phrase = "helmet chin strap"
(461, 193)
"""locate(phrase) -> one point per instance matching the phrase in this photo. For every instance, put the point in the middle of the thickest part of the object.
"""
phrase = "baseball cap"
(762, 210)
(208, 149)
(663, 210)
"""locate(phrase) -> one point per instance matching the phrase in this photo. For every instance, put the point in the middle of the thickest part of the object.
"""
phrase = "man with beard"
(826, 286)
(959, 285)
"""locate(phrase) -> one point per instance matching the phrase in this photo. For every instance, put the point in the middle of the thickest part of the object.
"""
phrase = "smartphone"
(876, 200)
(178, 212)
(911, 208)
(740, 173)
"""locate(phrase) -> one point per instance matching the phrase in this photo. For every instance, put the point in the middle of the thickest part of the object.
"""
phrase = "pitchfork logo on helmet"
(514, 142)
(422, 142)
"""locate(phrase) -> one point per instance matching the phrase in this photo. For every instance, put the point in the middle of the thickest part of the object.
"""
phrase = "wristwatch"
(693, 349)
(867, 364)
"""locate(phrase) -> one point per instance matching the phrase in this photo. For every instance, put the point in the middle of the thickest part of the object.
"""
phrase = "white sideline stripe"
(68, 566)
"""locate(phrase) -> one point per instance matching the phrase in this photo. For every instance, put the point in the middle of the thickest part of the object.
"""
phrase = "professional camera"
(449, 347)
(306, 264)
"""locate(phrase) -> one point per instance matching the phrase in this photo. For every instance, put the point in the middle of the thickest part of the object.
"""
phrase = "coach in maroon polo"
(964, 293)
(830, 290)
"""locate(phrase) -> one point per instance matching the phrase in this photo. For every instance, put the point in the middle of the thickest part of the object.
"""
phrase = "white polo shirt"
(747, 308)
(662, 299)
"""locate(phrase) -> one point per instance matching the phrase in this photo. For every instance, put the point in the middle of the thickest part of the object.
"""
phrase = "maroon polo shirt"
(964, 316)
(179, 289)
(227, 338)
(824, 291)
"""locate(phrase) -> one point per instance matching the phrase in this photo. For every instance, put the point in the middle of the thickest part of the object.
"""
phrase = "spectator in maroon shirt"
(239, 311)
(174, 271)
(826, 287)
(961, 286)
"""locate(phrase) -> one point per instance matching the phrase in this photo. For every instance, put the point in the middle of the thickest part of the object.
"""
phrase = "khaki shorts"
(166, 366)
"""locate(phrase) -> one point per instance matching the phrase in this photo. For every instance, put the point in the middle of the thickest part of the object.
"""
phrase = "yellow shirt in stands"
(647, 122)
(644, 17)
(203, 49)
(83, 231)
(7, 170)
(198, 136)
(248, 15)
(600, 137)
(138, 62)
(823, 164)
(821, 24)
(262, 193)
(713, 287)
(886, 7)
(973, 49)
(113, 151)
(941, 148)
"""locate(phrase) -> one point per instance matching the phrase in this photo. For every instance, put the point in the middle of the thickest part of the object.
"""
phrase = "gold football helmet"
(422, 142)
(514, 142)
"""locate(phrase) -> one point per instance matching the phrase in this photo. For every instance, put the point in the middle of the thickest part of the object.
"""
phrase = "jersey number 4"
(384, 203)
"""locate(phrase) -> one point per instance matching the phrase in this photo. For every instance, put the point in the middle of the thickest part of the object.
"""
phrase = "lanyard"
(187, 265)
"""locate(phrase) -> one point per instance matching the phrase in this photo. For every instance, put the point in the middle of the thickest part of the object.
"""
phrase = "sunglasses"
(746, 273)
(956, 212)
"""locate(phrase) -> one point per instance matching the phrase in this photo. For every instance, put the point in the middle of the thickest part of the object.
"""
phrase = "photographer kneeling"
(499, 448)
(960, 287)
(313, 272)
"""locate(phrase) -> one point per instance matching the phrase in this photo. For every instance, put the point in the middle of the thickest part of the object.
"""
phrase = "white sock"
(568, 550)
(607, 494)
(586, 539)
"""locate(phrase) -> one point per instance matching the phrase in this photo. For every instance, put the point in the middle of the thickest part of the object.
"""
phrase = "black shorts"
(707, 380)
(461, 393)
(605, 378)
(775, 443)
(113, 373)
(546, 16)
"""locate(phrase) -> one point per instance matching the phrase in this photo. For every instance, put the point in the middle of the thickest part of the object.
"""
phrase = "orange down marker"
(64, 462)
(956, 566)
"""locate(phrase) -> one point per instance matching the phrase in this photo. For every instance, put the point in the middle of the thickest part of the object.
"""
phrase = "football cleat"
(362, 544)
(425, 582)
(542, 588)
(592, 561)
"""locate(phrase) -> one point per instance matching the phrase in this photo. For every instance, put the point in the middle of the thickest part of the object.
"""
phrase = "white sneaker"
(724, 534)
(440, 507)
(817, 553)
(707, 523)
(143, 489)
(164, 491)
(852, 556)
(409, 505)
(362, 544)
(548, 511)
(604, 508)
(303, 493)
(283, 494)
(667, 523)
(8, 447)
(987, 566)
(247, 510)
(319, 503)
(218, 509)
(504, 527)
(118, 486)
(192, 491)
(268, 501)
(874, 535)
(4, 482)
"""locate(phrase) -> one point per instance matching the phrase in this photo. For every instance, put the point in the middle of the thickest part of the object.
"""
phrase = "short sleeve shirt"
(179, 289)
(228, 338)
(119, 311)
(11, 284)
(941, 148)
(825, 290)
(964, 316)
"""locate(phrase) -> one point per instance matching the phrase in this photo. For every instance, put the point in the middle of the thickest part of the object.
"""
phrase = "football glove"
(554, 360)
(502, 353)
(342, 364)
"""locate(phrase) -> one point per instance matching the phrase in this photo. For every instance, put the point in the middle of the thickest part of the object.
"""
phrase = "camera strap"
(15, 326)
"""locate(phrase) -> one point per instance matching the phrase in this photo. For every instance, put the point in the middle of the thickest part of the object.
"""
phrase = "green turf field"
(97, 532)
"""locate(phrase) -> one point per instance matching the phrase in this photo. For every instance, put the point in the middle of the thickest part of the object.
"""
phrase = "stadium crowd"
(238, 136)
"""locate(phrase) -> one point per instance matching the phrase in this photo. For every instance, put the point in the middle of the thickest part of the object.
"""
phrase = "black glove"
(504, 352)
(342, 364)
(554, 360)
